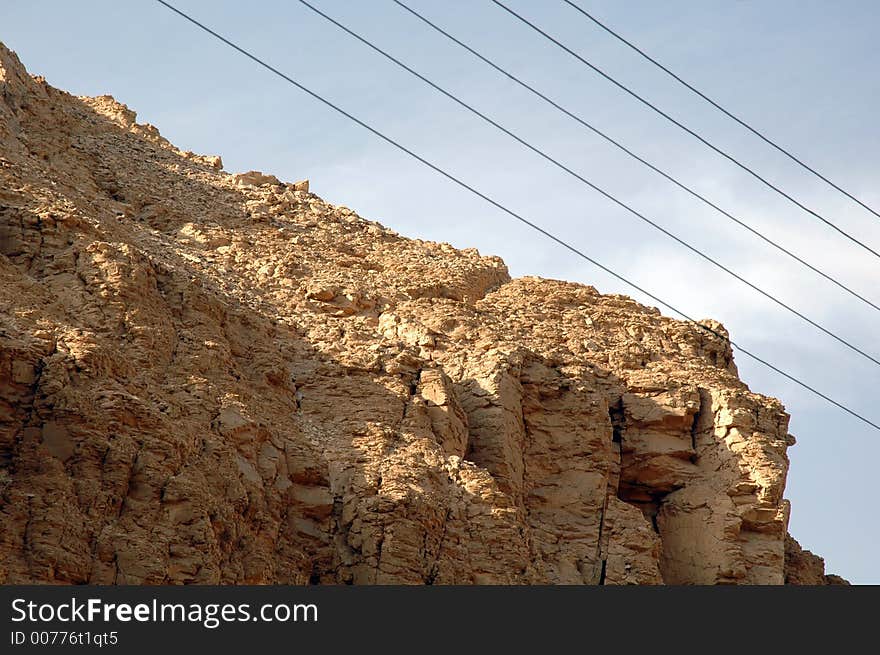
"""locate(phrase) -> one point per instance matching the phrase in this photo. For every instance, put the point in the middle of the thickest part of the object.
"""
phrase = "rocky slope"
(214, 378)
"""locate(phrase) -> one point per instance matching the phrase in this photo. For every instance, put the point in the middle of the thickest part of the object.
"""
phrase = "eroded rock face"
(214, 378)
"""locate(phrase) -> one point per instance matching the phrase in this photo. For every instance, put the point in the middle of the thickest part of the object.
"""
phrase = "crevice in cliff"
(602, 541)
(618, 421)
(645, 496)
(412, 391)
(339, 535)
(414, 383)
(639, 496)
(433, 570)
(695, 426)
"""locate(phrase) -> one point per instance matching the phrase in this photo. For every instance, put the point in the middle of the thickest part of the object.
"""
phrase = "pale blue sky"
(803, 71)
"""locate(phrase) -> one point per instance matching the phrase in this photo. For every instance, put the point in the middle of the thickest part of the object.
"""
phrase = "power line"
(513, 214)
(717, 106)
(635, 156)
(593, 186)
(684, 127)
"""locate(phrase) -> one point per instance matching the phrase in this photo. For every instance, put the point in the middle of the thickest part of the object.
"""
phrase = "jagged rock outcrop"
(804, 568)
(214, 378)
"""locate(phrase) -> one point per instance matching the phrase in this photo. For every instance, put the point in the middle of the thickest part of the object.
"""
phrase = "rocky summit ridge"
(216, 378)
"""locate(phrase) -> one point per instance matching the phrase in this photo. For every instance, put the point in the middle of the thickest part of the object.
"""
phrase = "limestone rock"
(214, 378)
(255, 178)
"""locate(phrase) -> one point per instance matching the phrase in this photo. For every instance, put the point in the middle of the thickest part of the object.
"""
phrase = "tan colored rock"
(214, 378)
(255, 178)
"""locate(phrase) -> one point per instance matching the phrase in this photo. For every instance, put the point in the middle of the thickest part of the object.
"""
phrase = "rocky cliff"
(215, 378)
